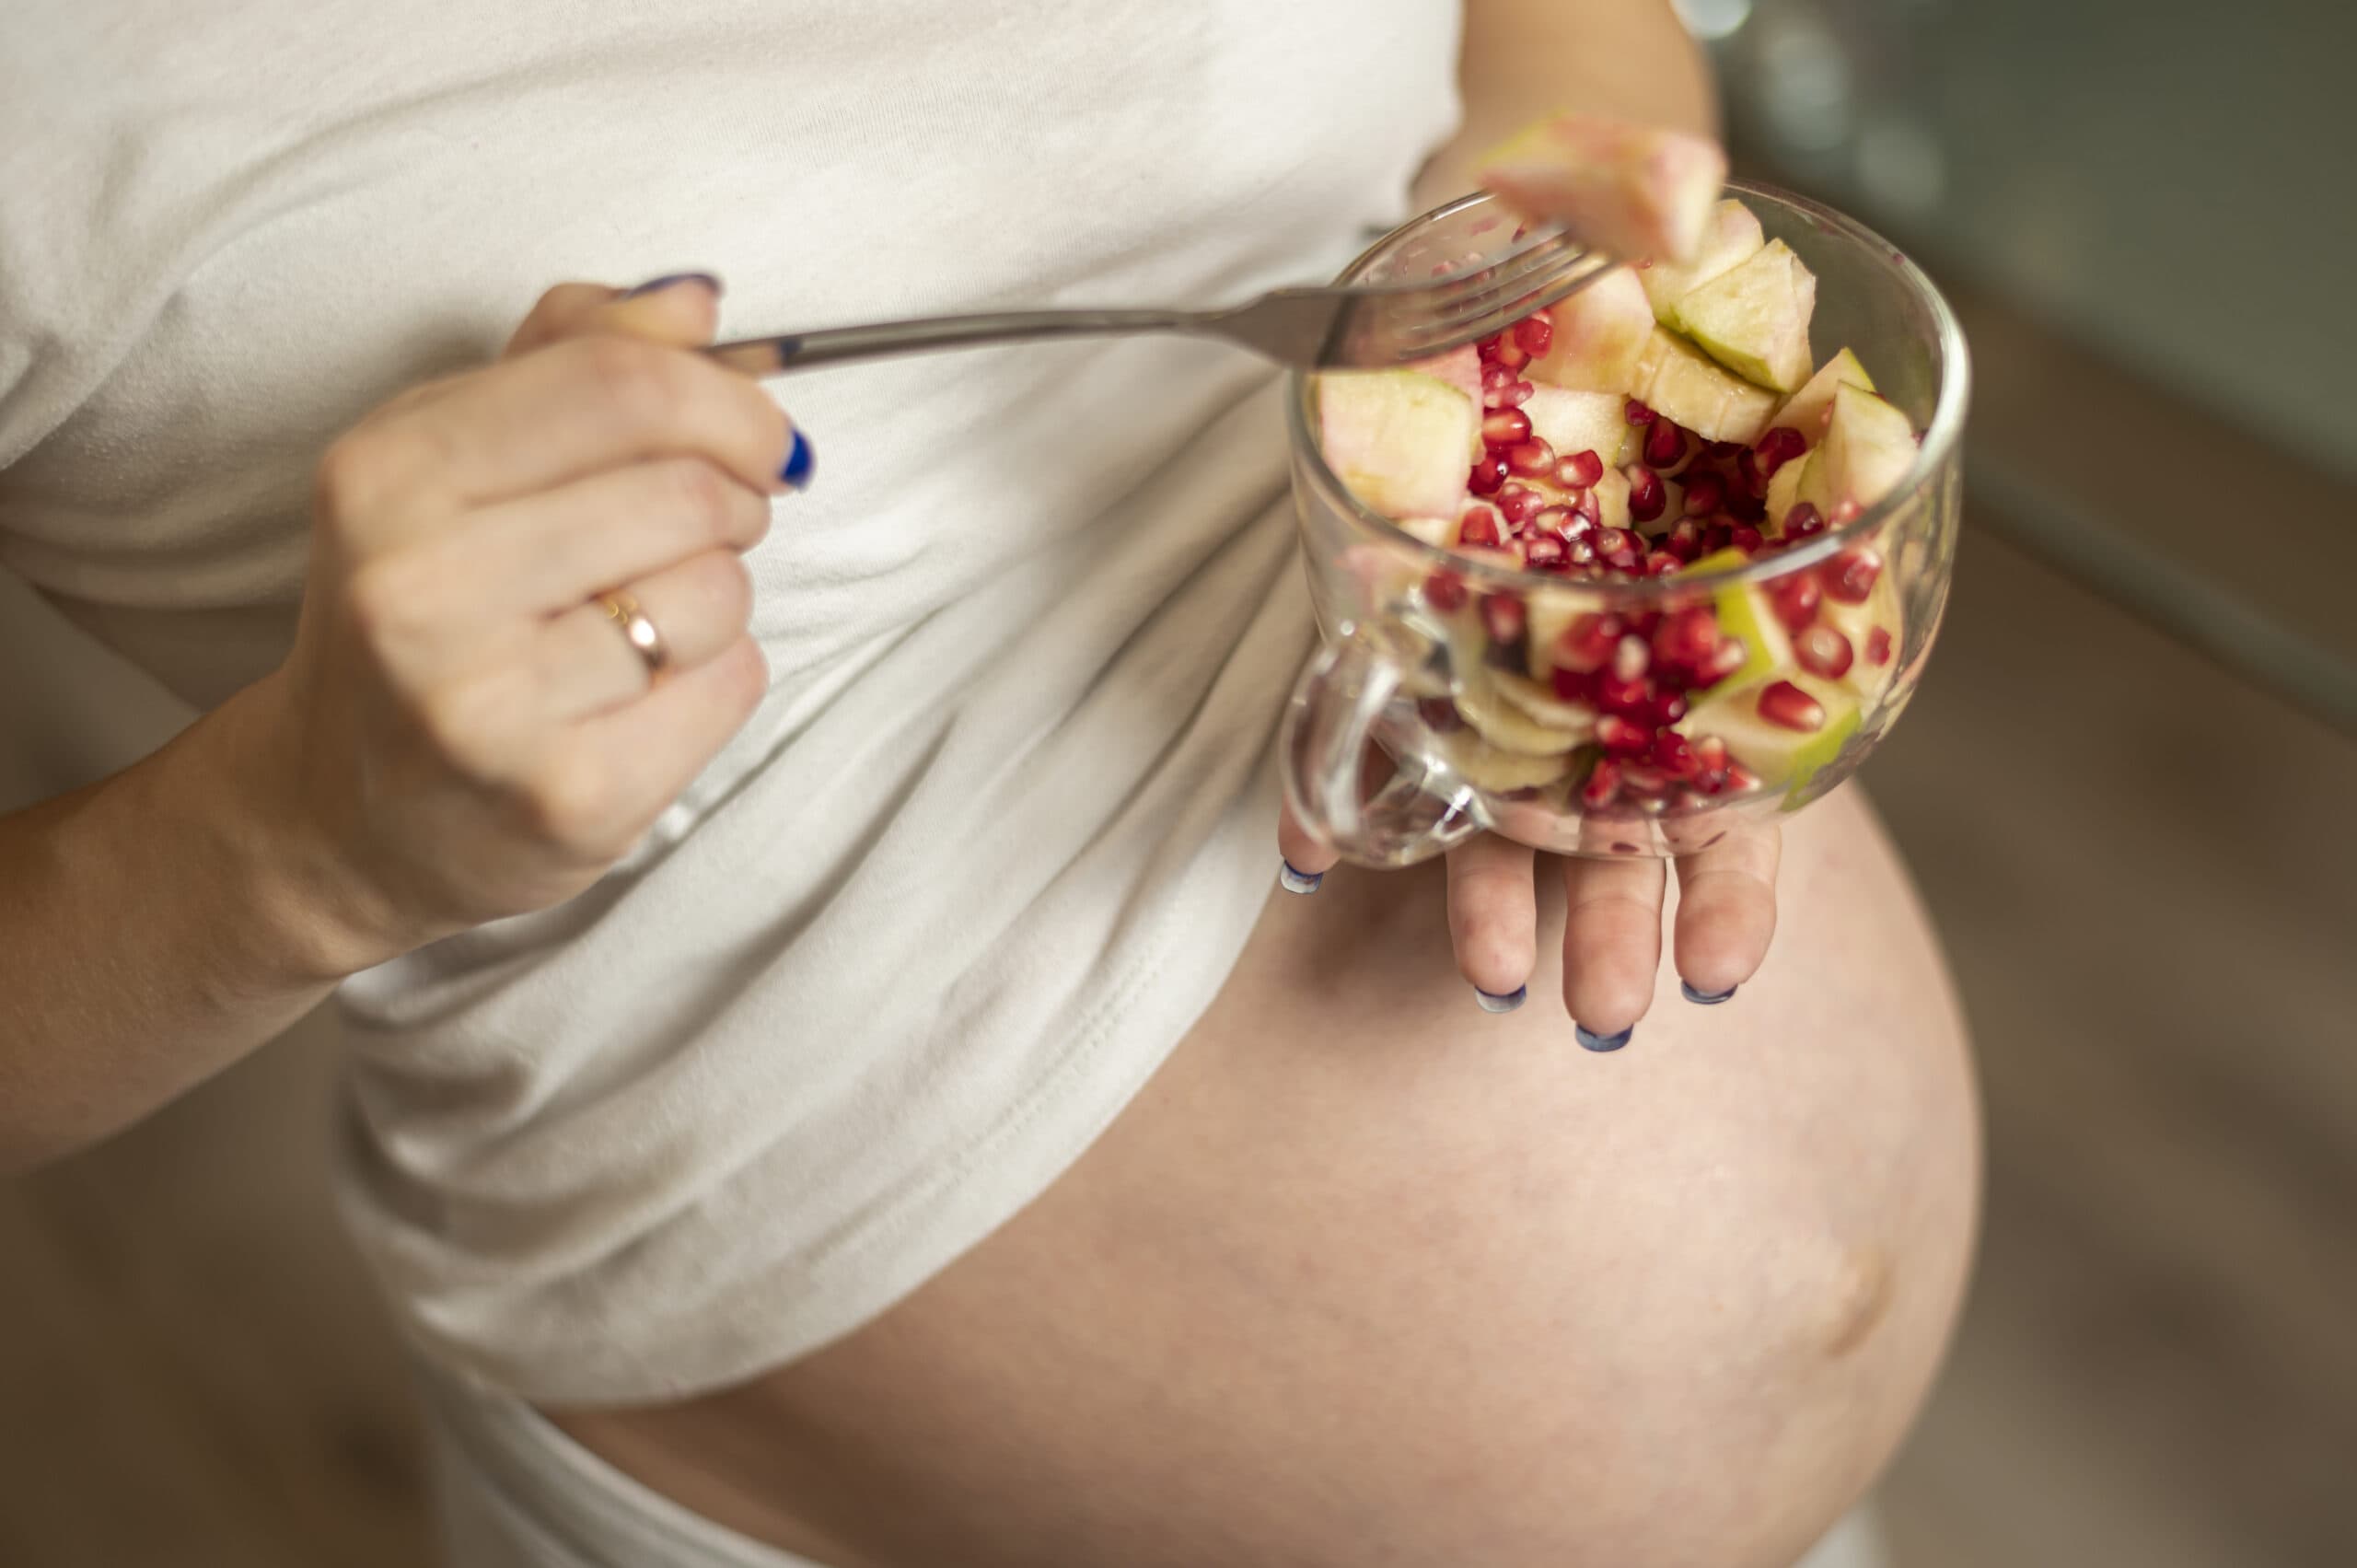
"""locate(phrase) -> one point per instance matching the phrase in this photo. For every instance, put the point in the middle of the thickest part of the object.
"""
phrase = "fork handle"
(834, 345)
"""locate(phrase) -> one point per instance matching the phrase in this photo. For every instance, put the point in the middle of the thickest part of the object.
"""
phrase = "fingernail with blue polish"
(1506, 1004)
(800, 462)
(1595, 1041)
(655, 286)
(1293, 881)
(1706, 998)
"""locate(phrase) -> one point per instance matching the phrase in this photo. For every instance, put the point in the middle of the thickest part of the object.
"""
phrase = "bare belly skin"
(1367, 1276)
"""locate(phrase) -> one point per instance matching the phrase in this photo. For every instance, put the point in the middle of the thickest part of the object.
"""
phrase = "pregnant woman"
(831, 1077)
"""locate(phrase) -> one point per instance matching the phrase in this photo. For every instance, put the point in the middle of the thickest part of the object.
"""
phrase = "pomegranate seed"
(1519, 501)
(1505, 427)
(1646, 494)
(1570, 685)
(1644, 622)
(1746, 538)
(1662, 563)
(1823, 651)
(1638, 414)
(1664, 444)
(1545, 552)
(1632, 700)
(1631, 657)
(1878, 647)
(1479, 526)
(1741, 780)
(1444, 591)
(1583, 552)
(1786, 706)
(1731, 656)
(1685, 551)
(1532, 457)
(1535, 333)
(1588, 641)
(1744, 506)
(1844, 511)
(1795, 599)
(1603, 784)
(1621, 739)
(1580, 470)
(1549, 520)
(1668, 708)
(1617, 548)
(1778, 447)
(1512, 355)
(1704, 492)
(1495, 377)
(1803, 520)
(1489, 345)
(1850, 577)
(1639, 778)
(1717, 537)
(1674, 755)
(1711, 753)
(1747, 474)
(1515, 395)
(1504, 617)
(1586, 507)
(1440, 713)
(1688, 637)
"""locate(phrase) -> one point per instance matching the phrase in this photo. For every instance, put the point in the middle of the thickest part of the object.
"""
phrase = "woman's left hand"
(1612, 928)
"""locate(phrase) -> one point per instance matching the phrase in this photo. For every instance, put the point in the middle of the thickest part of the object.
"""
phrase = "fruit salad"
(1670, 421)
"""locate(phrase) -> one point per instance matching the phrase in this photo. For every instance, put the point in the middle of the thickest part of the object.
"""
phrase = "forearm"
(154, 927)
(1525, 58)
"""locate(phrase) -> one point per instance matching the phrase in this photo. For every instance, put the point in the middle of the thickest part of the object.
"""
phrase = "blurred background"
(2145, 213)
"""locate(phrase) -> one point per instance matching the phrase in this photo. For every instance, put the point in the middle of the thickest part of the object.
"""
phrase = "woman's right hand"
(461, 732)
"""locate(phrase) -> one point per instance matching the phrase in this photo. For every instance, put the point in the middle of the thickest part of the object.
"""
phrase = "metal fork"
(1362, 327)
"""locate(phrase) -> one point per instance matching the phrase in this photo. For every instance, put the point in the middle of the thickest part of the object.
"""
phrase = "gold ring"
(637, 628)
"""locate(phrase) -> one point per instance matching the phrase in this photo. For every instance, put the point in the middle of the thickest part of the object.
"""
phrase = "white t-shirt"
(997, 834)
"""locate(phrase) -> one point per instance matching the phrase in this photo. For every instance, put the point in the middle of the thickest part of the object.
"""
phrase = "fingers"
(699, 607)
(1726, 912)
(540, 554)
(1494, 918)
(683, 309)
(1305, 860)
(603, 782)
(1612, 944)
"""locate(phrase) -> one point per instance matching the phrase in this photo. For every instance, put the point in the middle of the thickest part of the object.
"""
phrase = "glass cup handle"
(1328, 726)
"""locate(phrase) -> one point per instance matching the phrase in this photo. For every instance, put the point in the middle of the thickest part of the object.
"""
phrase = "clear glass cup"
(1380, 758)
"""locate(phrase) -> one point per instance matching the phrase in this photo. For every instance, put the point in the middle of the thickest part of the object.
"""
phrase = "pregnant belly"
(1367, 1276)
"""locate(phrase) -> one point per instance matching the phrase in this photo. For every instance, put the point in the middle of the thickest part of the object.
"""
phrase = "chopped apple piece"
(1460, 367)
(1630, 190)
(1730, 238)
(1612, 500)
(1745, 612)
(1763, 727)
(1538, 701)
(1806, 409)
(1868, 448)
(1783, 489)
(1600, 334)
(1754, 319)
(1506, 726)
(1398, 439)
(1573, 423)
(1860, 624)
(1487, 767)
(1679, 382)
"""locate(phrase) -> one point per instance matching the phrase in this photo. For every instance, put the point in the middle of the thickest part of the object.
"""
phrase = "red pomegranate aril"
(1544, 552)
(1674, 755)
(1796, 597)
(1710, 752)
(1570, 685)
(1778, 447)
(1850, 577)
(1512, 355)
(1824, 651)
(1630, 699)
(1602, 786)
(1644, 622)
(1504, 617)
(1588, 641)
(1747, 476)
(1844, 511)
(1686, 550)
(1743, 506)
(1662, 563)
(1505, 427)
(1730, 658)
(1704, 493)
(1531, 457)
(1619, 548)
(1746, 538)
(1786, 706)
(1444, 591)
(1689, 638)
(1586, 507)
(1646, 494)
(1803, 520)
(1739, 780)
(1519, 503)
(1479, 525)
(1535, 333)
(1495, 377)
(1638, 414)
(1664, 444)
(1878, 647)
(1637, 778)
(1488, 346)
(1583, 552)
(1619, 736)
(1515, 395)
(1668, 708)
(1579, 471)
(1631, 657)
(1439, 713)
(1487, 475)
(1555, 520)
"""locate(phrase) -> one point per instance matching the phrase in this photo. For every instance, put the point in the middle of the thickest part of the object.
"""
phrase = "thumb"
(682, 310)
